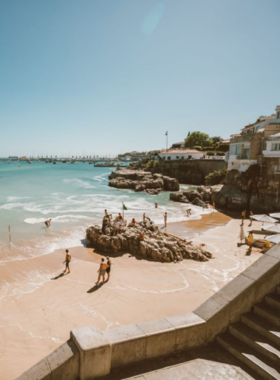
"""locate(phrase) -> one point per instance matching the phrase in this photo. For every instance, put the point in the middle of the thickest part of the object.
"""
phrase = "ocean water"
(74, 196)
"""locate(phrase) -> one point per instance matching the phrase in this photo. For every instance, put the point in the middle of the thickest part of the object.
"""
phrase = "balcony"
(240, 139)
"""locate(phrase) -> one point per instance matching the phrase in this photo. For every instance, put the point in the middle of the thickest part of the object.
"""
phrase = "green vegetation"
(215, 178)
(198, 138)
(151, 164)
(202, 141)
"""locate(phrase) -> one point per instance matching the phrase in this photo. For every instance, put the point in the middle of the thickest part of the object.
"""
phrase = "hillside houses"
(256, 143)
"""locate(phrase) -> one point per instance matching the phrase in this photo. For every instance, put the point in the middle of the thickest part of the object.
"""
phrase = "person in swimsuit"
(165, 219)
(67, 262)
(48, 222)
(101, 271)
(108, 269)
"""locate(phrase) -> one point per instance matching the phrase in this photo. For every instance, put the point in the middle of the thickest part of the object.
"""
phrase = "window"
(169, 158)
(275, 146)
(246, 153)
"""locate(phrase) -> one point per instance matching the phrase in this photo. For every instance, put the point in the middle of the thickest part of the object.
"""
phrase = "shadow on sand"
(94, 288)
(58, 276)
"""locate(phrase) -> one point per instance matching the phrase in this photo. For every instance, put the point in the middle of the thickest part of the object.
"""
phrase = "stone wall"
(191, 172)
(92, 353)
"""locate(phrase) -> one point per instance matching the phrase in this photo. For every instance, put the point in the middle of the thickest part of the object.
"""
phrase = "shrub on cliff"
(215, 178)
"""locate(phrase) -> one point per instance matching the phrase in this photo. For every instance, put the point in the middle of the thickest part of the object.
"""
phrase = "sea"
(74, 196)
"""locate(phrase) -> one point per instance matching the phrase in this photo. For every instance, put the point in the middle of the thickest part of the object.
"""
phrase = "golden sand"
(39, 306)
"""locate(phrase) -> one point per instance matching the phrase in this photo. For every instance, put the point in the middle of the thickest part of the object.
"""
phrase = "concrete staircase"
(255, 340)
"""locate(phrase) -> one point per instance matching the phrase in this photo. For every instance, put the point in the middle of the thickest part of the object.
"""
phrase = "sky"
(102, 77)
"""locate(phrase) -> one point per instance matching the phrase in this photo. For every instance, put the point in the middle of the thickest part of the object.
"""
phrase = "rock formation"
(193, 197)
(256, 189)
(139, 180)
(145, 240)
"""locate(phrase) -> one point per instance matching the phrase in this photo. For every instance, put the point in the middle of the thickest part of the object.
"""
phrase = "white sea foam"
(76, 182)
(59, 219)
(11, 198)
(41, 245)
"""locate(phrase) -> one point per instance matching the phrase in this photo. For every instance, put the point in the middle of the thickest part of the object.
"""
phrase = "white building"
(181, 154)
(250, 143)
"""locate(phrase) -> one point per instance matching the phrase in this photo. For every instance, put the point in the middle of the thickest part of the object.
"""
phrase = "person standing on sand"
(165, 219)
(250, 242)
(101, 271)
(144, 217)
(250, 218)
(67, 262)
(156, 204)
(108, 269)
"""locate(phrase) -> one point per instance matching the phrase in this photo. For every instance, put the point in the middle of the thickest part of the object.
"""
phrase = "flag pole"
(166, 134)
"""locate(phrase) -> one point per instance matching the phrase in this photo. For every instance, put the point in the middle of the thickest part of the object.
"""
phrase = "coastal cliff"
(256, 189)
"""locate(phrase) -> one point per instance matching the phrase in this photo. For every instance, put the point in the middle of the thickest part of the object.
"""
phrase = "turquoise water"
(74, 196)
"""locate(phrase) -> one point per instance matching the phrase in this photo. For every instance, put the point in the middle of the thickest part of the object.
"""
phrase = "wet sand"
(39, 305)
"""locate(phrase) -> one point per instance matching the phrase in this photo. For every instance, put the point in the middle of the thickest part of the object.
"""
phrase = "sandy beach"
(39, 306)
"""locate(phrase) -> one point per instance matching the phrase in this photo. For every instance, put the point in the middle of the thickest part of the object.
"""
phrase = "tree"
(198, 138)
(216, 139)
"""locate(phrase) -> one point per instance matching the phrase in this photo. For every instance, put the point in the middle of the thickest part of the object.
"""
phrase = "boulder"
(140, 180)
(144, 240)
(178, 196)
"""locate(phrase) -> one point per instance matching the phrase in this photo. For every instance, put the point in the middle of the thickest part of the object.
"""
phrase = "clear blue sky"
(110, 76)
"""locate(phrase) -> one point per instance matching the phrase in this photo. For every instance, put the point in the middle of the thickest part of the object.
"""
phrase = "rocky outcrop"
(193, 197)
(139, 180)
(257, 189)
(145, 240)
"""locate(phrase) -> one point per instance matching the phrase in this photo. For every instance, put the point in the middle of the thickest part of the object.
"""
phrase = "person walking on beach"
(165, 219)
(48, 222)
(67, 262)
(101, 271)
(250, 218)
(156, 204)
(108, 269)
(243, 215)
(144, 217)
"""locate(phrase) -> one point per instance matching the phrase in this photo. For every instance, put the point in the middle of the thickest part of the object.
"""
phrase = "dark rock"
(178, 196)
(139, 180)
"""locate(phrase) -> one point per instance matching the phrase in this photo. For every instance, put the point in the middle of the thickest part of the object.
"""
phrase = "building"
(178, 145)
(255, 141)
(181, 154)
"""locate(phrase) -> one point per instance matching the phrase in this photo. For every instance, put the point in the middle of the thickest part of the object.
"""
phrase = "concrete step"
(248, 356)
(262, 326)
(273, 300)
(267, 313)
(256, 341)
